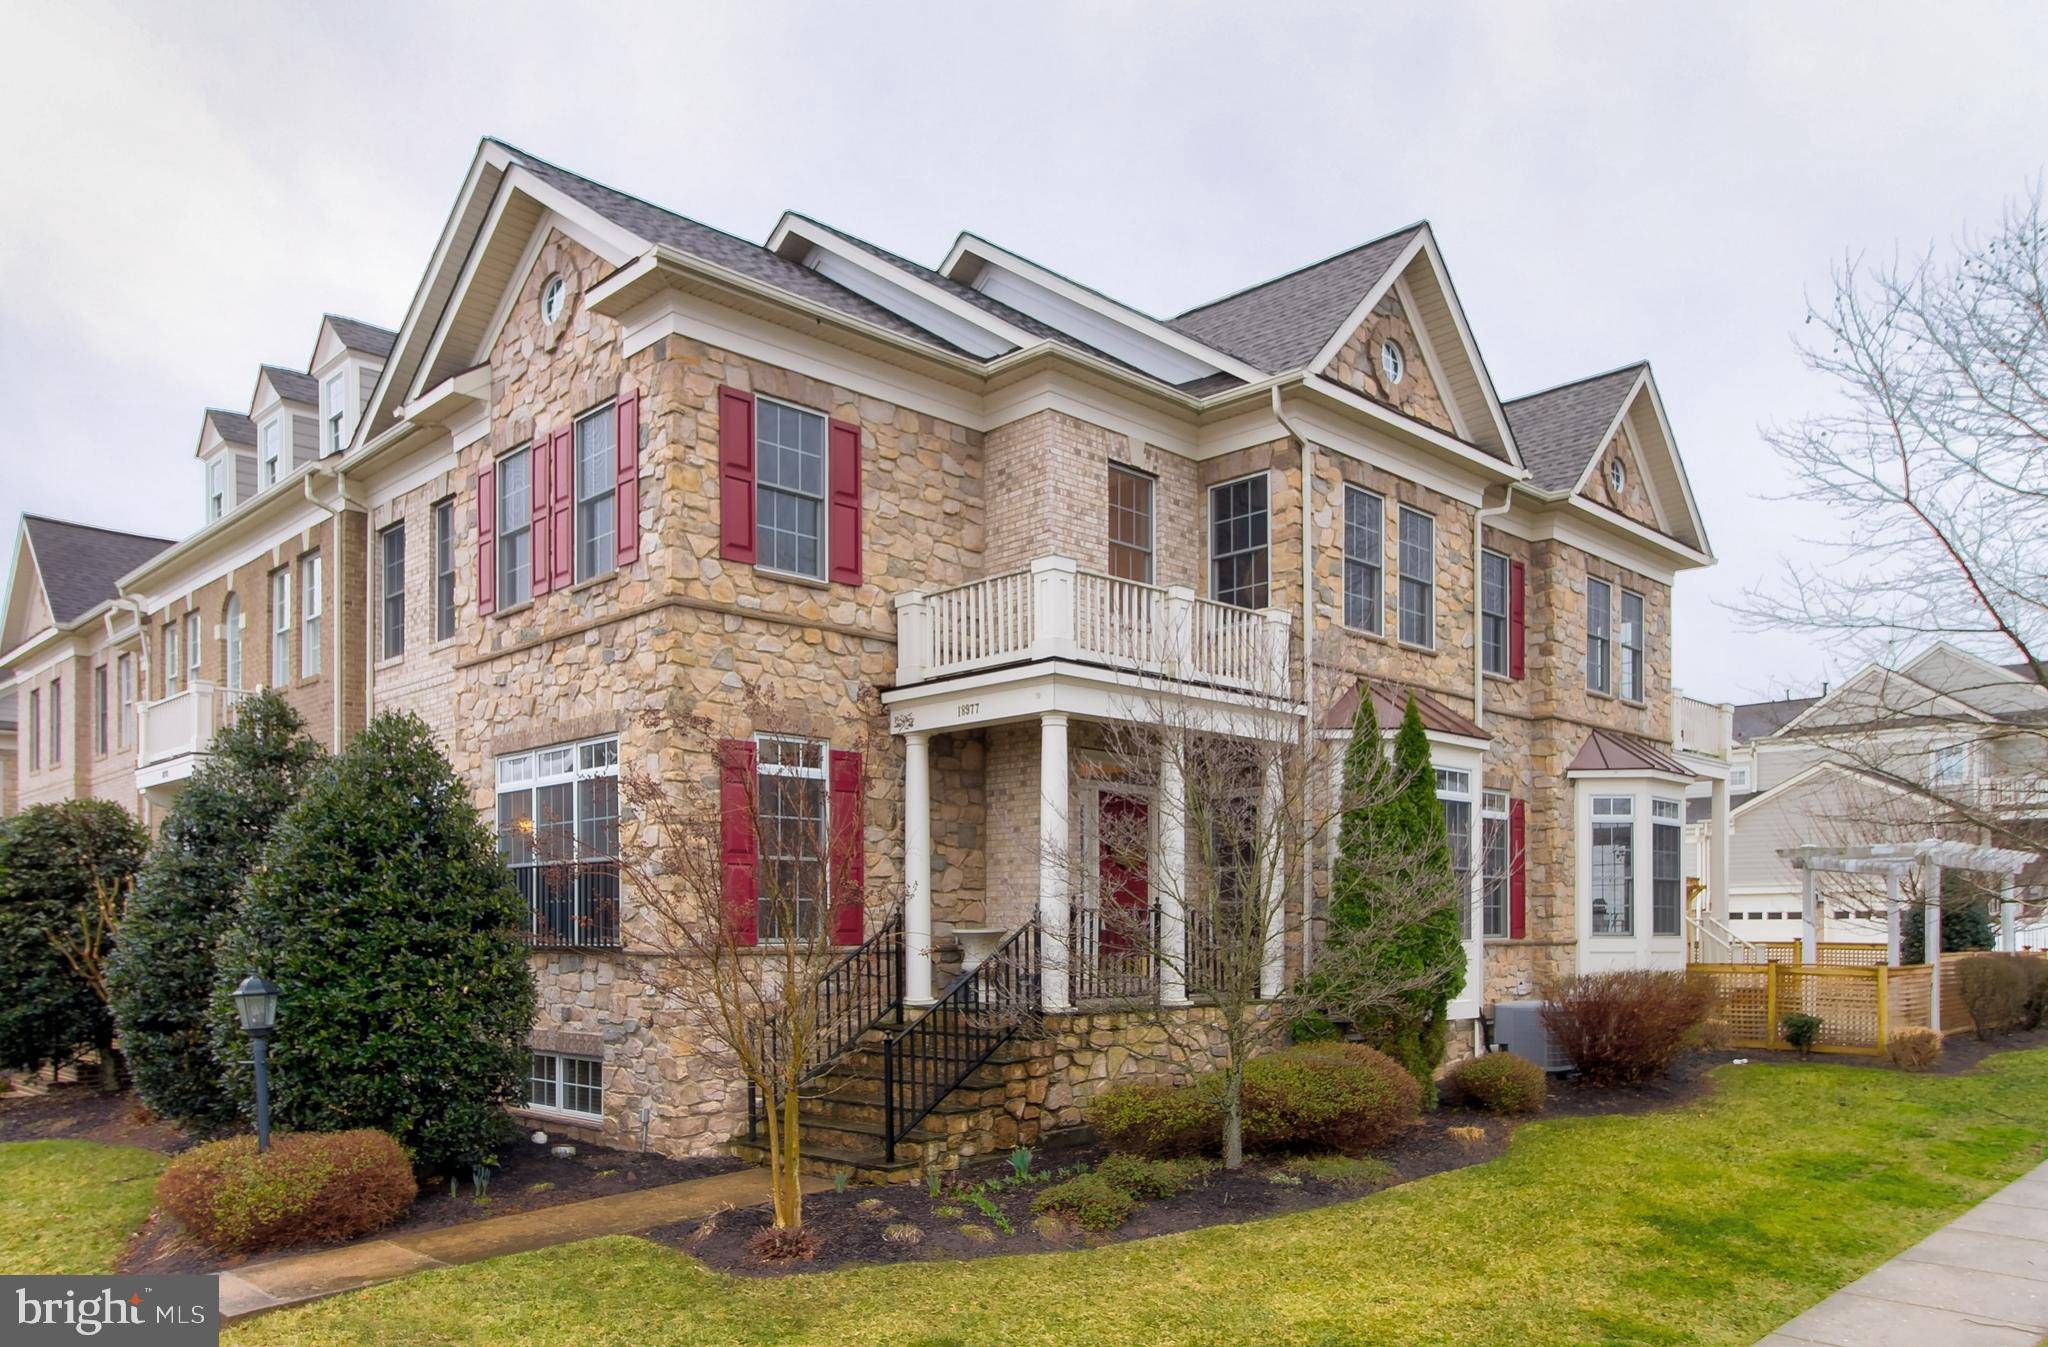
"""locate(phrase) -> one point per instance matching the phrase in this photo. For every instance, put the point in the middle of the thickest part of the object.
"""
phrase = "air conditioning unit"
(1518, 1028)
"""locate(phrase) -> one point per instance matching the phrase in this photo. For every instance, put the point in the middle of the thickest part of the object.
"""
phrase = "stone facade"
(421, 677)
(1358, 366)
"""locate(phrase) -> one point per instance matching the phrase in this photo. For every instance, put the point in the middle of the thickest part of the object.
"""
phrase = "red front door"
(1124, 832)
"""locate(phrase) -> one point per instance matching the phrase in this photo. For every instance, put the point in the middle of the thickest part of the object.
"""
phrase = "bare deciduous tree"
(748, 889)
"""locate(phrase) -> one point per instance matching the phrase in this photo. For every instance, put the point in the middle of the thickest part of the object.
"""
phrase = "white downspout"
(339, 627)
(1479, 518)
(1308, 683)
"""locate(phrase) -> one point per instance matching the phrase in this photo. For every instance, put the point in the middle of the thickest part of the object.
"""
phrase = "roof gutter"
(1308, 682)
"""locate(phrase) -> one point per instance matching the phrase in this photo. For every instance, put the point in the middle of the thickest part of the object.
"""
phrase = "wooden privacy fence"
(1859, 1007)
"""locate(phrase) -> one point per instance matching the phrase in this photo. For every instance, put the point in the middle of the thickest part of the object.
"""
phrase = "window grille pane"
(514, 528)
(582, 1086)
(1418, 578)
(794, 841)
(1599, 601)
(444, 570)
(789, 446)
(597, 476)
(1494, 898)
(393, 581)
(1493, 611)
(1364, 557)
(1665, 881)
(1631, 646)
(541, 1081)
(1130, 524)
(1238, 526)
(1458, 823)
(1613, 877)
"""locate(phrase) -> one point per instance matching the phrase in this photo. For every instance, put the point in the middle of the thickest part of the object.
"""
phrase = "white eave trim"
(1323, 386)
(824, 250)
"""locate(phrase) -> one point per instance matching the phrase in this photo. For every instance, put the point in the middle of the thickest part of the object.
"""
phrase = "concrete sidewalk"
(313, 1276)
(1980, 1281)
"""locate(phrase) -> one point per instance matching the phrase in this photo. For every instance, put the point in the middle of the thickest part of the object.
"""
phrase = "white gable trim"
(1619, 422)
(824, 250)
(1997, 672)
(1935, 697)
(1435, 367)
(1779, 791)
(1138, 334)
(1363, 310)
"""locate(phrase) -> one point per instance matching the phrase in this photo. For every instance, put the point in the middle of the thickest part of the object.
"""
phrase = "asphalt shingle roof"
(1755, 720)
(360, 336)
(234, 427)
(1280, 324)
(79, 564)
(293, 385)
(1559, 430)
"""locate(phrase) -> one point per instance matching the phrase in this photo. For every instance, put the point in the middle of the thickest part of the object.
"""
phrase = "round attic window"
(1392, 362)
(1617, 475)
(554, 296)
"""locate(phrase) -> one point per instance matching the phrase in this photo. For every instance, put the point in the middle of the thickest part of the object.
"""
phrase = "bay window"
(1493, 899)
(1614, 865)
(1666, 878)
(1454, 791)
(558, 829)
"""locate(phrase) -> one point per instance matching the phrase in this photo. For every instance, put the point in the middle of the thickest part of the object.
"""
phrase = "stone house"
(977, 516)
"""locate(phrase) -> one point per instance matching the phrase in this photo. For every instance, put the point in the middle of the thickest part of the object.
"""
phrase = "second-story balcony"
(177, 732)
(1056, 611)
(1703, 729)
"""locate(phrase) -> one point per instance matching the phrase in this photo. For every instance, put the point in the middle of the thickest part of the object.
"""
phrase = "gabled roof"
(1390, 703)
(233, 427)
(1560, 429)
(79, 563)
(1608, 751)
(1281, 324)
(291, 385)
(1757, 720)
(360, 336)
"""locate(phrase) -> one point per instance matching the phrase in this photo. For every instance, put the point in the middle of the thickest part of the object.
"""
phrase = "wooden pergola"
(1897, 862)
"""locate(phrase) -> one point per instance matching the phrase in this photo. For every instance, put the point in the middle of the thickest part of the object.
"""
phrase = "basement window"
(563, 1084)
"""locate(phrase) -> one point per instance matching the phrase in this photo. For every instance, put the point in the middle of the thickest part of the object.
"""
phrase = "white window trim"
(824, 497)
(1151, 547)
(1639, 695)
(385, 628)
(280, 626)
(533, 452)
(1493, 808)
(194, 650)
(442, 515)
(558, 1109)
(1963, 756)
(1605, 687)
(822, 774)
(1506, 614)
(1209, 533)
(334, 413)
(576, 498)
(523, 772)
(312, 607)
(1353, 491)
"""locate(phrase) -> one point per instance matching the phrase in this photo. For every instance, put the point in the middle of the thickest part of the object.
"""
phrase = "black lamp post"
(256, 1007)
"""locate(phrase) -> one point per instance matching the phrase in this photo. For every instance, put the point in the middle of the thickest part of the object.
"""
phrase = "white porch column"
(1171, 868)
(1052, 608)
(1273, 879)
(2008, 915)
(1930, 890)
(1717, 859)
(1054, 918)
(1891, 919)
(913, 636)
(1808, 939)
(917, 869)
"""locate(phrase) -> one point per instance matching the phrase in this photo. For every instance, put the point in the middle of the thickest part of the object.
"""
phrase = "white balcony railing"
(1702, 728)
(1056, 610)
(185, 722)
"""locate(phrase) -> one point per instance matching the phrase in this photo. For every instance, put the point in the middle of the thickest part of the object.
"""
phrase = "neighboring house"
(1946, 744)
(615, 460)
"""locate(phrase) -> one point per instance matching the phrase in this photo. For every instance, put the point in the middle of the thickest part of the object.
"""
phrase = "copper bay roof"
(1390, 703)
(1607, 751)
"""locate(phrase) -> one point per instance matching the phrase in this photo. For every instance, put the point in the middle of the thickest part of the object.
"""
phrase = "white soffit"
(902, 293)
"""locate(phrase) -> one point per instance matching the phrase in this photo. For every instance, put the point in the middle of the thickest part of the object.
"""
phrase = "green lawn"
(1708, 1224)
(68, 1206)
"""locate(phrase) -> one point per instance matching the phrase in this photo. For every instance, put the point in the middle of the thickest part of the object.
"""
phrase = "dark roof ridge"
(96, 528)
(630, 196)
(1422, 223)
(1574, 383)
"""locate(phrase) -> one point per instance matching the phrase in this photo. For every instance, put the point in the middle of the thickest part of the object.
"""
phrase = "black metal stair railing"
(932, 1055)
(862, 990)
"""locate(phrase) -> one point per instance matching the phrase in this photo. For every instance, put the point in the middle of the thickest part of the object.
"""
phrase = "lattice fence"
(1827, 953)
(1855, 1004)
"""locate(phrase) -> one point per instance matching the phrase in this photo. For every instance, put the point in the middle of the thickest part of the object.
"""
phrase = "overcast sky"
(185, 188)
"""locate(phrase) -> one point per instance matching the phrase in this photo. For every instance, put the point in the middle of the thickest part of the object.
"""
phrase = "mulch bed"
(849, 1226)
(533, 1177)
(70, 1111)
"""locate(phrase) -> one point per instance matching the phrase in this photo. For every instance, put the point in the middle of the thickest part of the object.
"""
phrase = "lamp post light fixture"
(256, 1007)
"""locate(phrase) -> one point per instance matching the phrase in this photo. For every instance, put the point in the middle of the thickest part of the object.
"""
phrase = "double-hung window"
(597, 481)
(789, 488)
(174, 658)
(444, 570)
(194, 649)
(1667, 823)
(1130, 524)
(1454, 791)
(1493, 613)
(1493, 904)
(309, 614)
(564, 1084)
(558, 829)
(1950, 765)
(1238, 533)
(272, 436)
(795, 836)
(99, 709)
(280, 627)
(35, 729)
(124, 683)
(1364, 558)
(1614, 864)
(56, 721)
(1631, 646)
(1418, 578)
(231, 640)
(216, 488)
(1599, 636)
(515, 528)
(391, 595)
(337, 398)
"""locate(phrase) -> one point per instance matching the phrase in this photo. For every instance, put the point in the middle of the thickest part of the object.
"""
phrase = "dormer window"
(335, 396)
(554, 297)
(272, 440)
(216, 488)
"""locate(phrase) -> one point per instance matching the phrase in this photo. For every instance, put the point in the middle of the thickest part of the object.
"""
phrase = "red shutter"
(737, 848)
(843, 528)
(736, 475)
(626, 507)
(1518, 870)
(486, 538)
(1518, 579)
(540, 545)
(562, 508)
(849, 842)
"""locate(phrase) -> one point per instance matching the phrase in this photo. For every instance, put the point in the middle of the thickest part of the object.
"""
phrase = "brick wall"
(422, 677)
